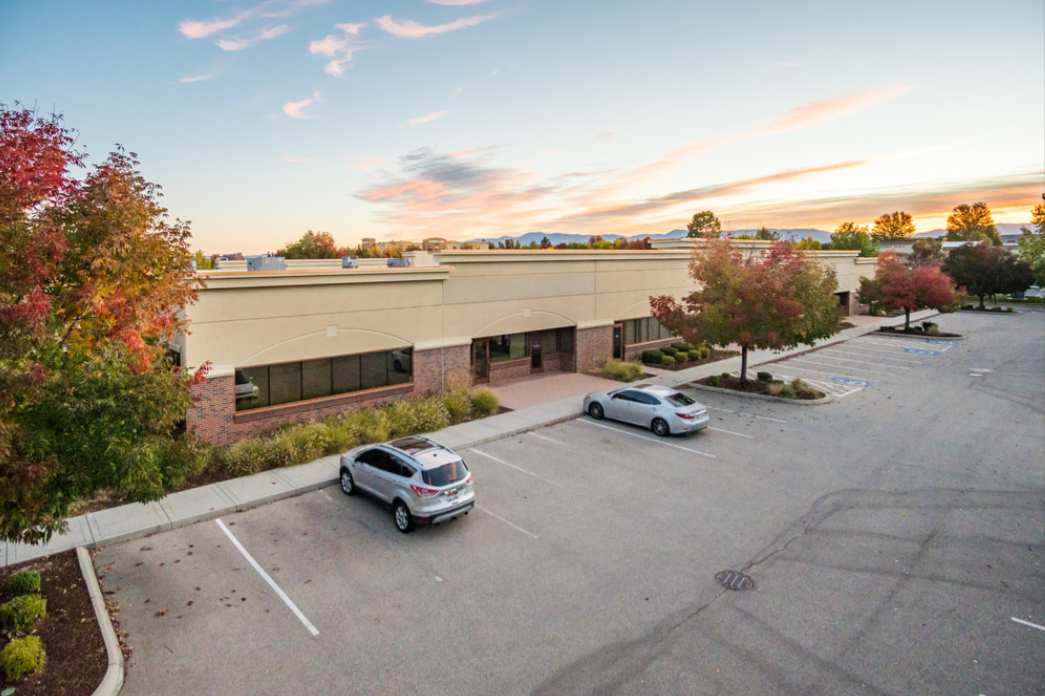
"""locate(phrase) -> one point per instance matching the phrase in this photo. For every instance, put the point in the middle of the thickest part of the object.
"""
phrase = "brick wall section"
(507, 371)
(437, 369)
(211, 418)
(594, 347)
(558, 362)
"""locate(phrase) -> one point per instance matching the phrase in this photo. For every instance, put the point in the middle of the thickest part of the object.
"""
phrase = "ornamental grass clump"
(412, 416)
(484, 403)
(22, 611)
(458, 404)
(23, 657)
(621, 371)
(23, 583)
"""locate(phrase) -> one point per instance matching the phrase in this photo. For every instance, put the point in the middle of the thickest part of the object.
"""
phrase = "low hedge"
(652, 357)
(682, 346)
(670, 350)
(695, 354)
(22, 611)
(667, 361)
(23, 657)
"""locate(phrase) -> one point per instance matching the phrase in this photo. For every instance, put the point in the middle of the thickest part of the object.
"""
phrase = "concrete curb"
(763, 397)
(918, 338)
(112, 682)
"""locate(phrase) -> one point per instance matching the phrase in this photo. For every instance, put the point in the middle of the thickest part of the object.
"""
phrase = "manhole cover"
(733, 580)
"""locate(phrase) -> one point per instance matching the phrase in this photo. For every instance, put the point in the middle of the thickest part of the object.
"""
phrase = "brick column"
(211, 418)
(437, 369)
(594, 347)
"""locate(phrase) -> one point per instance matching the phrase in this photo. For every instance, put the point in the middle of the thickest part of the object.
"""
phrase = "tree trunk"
(743, 363)
(981, 302)
(907, 323)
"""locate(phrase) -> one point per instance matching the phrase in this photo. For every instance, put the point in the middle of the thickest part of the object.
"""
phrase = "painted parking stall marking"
(517, 468)
(510, 524)
(921, 351)
(1028, 623)
(272, 583)
(643, 437)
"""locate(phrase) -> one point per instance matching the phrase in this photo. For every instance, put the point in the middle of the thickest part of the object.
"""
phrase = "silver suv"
(423, 481)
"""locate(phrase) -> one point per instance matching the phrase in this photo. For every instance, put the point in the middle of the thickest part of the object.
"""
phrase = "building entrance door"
(481, 361)
(618, 341)
(536, 365)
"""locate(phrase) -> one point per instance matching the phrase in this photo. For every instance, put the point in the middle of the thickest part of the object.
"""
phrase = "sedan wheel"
(596, 412)
(404, 522)
(660, 427)
(348, 486)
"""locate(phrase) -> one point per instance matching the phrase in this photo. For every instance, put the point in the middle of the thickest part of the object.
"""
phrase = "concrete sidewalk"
(217, 499)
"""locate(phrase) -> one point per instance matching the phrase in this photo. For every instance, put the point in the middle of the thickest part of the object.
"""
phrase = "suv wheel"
(348, 486)
(660, 427)
(404, 521)
(595, 411)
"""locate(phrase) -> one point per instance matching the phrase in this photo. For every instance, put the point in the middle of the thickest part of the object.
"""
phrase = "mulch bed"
(715, 356)
(753, 386)
(76, 659)
(915, 331)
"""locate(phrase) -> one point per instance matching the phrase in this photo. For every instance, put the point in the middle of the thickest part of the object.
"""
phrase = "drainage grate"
(734, 580)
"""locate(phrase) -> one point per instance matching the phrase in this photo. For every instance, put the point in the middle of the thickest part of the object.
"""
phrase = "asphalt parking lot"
(895, 537)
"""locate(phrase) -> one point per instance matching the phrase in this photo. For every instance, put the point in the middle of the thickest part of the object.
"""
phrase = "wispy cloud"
(196, 78)
(833, 107)
(435, 115)
(238, 44)
(340, 48)
(193, 29)
(455, 2)
(410, 29)
(365, 165)
(293, 109)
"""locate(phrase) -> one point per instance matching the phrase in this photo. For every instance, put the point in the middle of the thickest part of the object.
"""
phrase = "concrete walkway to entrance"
(539, 401)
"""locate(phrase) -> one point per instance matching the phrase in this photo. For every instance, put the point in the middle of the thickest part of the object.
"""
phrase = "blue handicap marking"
(919, 351)
(851, 382)
(942, 343)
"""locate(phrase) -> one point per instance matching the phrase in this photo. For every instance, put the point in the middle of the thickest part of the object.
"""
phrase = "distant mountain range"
(793, 234)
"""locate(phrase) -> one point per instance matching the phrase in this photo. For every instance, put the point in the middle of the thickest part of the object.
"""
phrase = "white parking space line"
(282, 595)
(981, 369)
(1028, 623)
(839, 390)
(824, 372)
(825, 364)
(326, 495)
(864, 362)
(740, 413)
(520, 469)
(510, 524)
(730, 432)
(874, 353)
(543, 437)
(724, 410)
(643, 437)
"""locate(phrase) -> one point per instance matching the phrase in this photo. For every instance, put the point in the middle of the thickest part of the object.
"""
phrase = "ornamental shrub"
(23, 583)
(682, 347)
(484, 403)
(714, 381)
(621, 371)
(667, 361)
(695, 354)
(705, 352)
(22, 611)
(22, 657)
(652, 357)
(669, 350)
(725, 375)
(765, 377)
(457, 404)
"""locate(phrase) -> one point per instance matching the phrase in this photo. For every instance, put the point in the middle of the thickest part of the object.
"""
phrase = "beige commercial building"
(313, 341)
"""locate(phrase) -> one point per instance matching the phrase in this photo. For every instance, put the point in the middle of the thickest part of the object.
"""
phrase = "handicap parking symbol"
(919, 351)
(941, 343)
(851, 382)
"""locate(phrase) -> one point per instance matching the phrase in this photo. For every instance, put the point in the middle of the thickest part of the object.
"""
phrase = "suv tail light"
(423, 492)
(469, 479)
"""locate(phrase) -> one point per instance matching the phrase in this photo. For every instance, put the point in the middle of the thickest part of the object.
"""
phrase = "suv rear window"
(680, 399)
(446, 474)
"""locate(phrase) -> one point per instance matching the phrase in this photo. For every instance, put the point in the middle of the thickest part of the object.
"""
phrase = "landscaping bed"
(76, 658)
(680, 356)
(764, 385)
(927, 330)
(992, 310)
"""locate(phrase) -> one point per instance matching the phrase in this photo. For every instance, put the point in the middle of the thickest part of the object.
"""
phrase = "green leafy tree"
(1031, 245)
(775, 301)
(313, 245)
(706, 225)
(893, 226)
(870, 294)
(809, 244)
(972, 223)
(897, 286)
(545, 242)
(764, 233)
(926, 252)
(91, 282)
(851, 237)
(985, 270)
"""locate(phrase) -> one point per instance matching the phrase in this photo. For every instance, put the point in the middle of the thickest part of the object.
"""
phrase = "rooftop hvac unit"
(400, 263)
(350, 262)
(266, 263)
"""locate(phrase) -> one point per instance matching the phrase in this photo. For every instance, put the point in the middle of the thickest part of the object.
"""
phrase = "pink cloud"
(455, 3)
(293, 109)
(340, 48)
(298, 159)
(833, 107)
(365, 165)
(197, 30)
(196, 78)
(264, 35)
(435, 115)
(411, 30)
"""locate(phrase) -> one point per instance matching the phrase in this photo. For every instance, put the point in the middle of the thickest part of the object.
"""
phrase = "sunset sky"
(480, 118)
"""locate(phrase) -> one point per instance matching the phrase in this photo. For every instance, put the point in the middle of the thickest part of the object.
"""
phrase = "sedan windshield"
(680, 399)
(445, 475)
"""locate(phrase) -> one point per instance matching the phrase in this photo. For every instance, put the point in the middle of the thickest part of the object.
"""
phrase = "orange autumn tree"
(776, 301)
(897, 286)
(92, 277)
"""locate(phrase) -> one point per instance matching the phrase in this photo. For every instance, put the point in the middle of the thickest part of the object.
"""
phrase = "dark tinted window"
(644, 398)
(402, 467)
(626, 396)
(376, 458)
(454, 472)
(680, 399)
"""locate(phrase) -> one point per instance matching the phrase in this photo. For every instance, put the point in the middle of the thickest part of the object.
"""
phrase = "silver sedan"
(661, 409)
